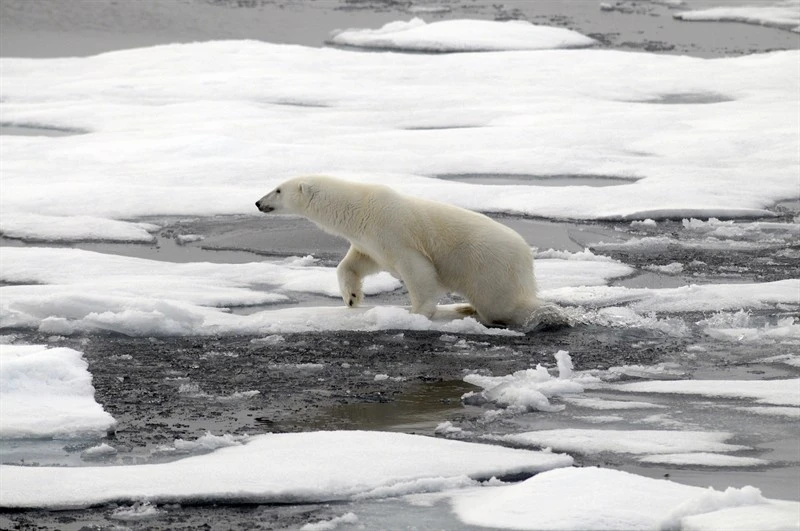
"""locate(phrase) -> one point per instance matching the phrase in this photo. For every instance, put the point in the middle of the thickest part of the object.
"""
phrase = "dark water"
(54, 28)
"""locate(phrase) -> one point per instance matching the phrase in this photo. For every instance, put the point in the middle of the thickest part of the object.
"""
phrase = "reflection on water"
(420, 409)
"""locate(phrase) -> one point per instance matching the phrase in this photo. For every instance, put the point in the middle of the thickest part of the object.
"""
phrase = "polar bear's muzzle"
(263, 207)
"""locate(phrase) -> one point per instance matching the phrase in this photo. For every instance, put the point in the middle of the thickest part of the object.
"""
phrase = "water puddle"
(37, 130)
(419, 410)
(537, 180)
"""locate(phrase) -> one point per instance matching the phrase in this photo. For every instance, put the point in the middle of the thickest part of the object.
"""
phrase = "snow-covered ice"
(597, 498)
(74, 228)
(47, 392)
(784, 15)
(703, 459)
(592, 441)
(205, 128)
(784, 392)
(461, 36)
(63, 291)
(280, 468)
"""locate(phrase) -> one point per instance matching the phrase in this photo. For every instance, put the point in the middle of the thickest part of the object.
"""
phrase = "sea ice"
(205, 128)
(48, 392)
(75, 228)
(279, 468)
(784, 15)
(593, 441)
(776, 392)
(703, 459)
(612, 499)
(462, 36)
(529, 389)
(63, 291)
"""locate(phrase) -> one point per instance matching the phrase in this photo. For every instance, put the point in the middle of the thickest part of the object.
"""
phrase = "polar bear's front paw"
(352, 298)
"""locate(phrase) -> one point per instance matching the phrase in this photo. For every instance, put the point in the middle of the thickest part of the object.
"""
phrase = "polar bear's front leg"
(351, 270)
(422, 283)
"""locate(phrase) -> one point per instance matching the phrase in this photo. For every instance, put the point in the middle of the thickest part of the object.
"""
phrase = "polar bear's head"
(290, 197)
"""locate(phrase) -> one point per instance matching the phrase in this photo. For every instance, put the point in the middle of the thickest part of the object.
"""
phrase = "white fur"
(433, 247)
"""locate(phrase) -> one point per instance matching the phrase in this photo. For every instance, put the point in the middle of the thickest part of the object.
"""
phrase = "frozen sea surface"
(156, 328)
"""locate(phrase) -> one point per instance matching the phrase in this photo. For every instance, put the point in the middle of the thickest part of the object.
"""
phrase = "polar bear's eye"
(278, 191)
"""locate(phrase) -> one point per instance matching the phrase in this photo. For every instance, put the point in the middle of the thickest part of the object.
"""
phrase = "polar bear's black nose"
(258, 204)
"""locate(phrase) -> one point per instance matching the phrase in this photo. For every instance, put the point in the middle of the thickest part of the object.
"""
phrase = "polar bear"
(432, 247)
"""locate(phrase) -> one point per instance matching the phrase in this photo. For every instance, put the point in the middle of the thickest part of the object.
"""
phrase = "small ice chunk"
(462, 36)
(333, 523)
(101, 451)
(703, 459)
(138, 511)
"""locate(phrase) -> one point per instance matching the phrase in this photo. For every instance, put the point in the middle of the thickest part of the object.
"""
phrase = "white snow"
(48, 393)
(64, 291)
(333, 523)
(209, 442)
(775, 516)
(596, 498)
(784, 15)
(279, 468)
(605, 404)
(29, 226)
(741, 327)
(692, 298)
(593, 441)
(776, 392)
(137, 511)
(207, 128)
(100, 451)
(461, 36)
(703, 459)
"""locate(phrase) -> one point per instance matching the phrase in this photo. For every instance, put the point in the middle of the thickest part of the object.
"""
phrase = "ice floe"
(63, 291)
(205, 128)
(784, 15)
(593, 441)
(612, 499)
(776, 392)
(461, 36)
(26, 226)
(703, 459)
(280, 468)
(692, 298)
(48, 393)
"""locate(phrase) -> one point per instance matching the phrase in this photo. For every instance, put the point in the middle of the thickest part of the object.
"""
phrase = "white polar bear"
(433, 247)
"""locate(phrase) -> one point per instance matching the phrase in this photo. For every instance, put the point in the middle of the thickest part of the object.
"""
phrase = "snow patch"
(783, 15)
(612, 499)
(461, 36)
(47, 392)
(595, 441)
(268, 469)
(775, 392)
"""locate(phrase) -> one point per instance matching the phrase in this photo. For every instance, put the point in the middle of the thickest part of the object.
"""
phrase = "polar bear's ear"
(304, 189)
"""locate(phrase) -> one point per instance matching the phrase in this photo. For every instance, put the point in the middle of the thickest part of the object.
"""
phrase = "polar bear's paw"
(350, 288)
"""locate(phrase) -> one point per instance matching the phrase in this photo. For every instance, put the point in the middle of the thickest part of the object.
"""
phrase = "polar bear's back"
(472, 254)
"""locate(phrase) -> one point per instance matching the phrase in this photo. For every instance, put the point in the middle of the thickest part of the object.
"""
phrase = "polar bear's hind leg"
(422, 282)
